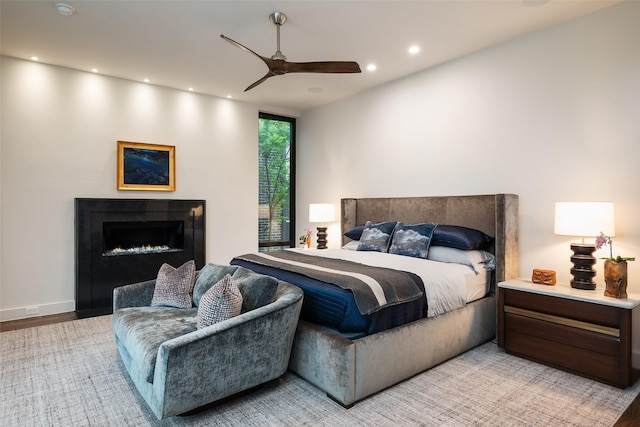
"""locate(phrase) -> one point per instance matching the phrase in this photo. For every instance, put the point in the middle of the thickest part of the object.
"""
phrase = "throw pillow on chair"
(221, 302)
(174, 286)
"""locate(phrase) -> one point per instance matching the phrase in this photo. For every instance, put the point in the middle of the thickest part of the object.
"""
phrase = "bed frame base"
(351, 370)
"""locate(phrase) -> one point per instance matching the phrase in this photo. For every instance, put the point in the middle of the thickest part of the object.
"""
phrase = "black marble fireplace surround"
(122, 241)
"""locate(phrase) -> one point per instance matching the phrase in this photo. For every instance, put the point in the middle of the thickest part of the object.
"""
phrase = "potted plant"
(305, 239)
(615, 269)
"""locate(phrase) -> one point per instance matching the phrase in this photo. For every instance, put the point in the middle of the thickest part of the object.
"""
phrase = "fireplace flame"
(140, 250)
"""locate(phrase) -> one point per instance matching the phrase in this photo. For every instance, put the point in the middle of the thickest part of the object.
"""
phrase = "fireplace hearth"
(122, 241)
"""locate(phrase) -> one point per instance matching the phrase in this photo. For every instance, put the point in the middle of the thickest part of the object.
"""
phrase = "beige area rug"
(69, 374)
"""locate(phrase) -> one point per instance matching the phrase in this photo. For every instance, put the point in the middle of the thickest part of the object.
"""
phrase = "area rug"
(69, 374)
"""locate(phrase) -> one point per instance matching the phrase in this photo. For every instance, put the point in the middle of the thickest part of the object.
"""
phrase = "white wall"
(58, 142)
(552, 116)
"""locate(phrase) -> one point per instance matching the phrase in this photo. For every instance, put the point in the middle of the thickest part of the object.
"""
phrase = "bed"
(350, 365)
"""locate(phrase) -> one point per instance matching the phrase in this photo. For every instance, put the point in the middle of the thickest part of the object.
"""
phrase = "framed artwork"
(146, 166)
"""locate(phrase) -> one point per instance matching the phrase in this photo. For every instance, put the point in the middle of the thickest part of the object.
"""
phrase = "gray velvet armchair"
(177, 367)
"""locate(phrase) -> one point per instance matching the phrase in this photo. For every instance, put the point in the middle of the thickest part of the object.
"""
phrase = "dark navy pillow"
(376, 237)
(355, 232)
(458, 237)
(412, 239)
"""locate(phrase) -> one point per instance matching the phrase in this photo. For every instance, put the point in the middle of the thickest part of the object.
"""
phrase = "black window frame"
(292, 188)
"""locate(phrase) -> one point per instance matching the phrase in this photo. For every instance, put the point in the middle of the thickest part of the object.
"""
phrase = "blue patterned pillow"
(376, 237)
(412, 239)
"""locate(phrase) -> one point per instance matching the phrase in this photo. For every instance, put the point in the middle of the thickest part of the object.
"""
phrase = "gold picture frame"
(146, 166)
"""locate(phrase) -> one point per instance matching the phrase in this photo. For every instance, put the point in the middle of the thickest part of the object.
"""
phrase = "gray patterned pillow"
(174, 285)
(221, 302)
(376, 237)
(412, 239)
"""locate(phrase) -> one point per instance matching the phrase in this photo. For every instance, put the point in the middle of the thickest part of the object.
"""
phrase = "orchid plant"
(306, 236)
(603, 240)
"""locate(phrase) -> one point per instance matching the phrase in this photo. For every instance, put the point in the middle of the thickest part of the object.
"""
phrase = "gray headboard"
(494, 214)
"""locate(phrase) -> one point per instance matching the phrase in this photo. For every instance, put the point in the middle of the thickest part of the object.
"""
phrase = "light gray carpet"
(69, 374)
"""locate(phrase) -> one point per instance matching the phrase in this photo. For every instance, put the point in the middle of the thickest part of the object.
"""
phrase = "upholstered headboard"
(494, 214)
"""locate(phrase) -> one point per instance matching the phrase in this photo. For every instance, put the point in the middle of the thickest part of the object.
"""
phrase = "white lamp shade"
(584, 219)
(322, 212)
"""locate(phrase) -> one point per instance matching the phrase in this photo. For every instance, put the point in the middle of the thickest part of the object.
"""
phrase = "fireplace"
(122, 241)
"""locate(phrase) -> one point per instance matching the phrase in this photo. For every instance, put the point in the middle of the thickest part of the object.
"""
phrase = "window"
(276, 166)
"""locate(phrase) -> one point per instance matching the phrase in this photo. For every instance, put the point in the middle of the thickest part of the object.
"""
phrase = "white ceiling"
(177, 43)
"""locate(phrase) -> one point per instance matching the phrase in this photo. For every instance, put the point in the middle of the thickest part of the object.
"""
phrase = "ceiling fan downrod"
(278, 18)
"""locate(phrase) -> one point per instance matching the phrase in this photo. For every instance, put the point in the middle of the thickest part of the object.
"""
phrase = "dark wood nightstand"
(579, 331)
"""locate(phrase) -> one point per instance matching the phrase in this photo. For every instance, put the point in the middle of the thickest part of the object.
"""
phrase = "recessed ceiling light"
(190, 89)
(414, 49)
(65, 9)
(94, 70)
(371, 67)
(35, 58)
(146, 80)
(229, 96)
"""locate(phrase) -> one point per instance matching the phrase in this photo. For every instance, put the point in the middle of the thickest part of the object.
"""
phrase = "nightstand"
(579, 331)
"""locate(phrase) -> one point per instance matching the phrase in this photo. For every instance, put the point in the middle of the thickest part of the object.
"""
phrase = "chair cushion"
(174, 286)
(221, 302)
(141, 330)
(257, 289)
(209, 276)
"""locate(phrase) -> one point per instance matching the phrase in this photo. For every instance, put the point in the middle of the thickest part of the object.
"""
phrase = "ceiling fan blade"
(240, 46)
(256, 83)
(322, 67)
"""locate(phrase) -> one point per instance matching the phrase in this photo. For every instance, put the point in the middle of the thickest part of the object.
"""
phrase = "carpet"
(69, 374)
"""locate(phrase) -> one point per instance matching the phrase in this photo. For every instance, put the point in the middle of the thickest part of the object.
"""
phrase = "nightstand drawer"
(594, 365)
(586, 312)
(558, 333)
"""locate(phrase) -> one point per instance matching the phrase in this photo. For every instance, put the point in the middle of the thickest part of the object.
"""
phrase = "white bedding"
(448, 286)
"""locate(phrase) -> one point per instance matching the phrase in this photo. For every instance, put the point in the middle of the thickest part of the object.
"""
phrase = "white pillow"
(476, 259)
(352, 245)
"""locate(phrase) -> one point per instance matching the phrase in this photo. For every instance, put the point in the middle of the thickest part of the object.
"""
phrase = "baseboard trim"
(40, 310)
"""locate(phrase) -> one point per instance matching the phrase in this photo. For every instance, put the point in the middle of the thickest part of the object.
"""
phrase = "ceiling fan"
(279, 65)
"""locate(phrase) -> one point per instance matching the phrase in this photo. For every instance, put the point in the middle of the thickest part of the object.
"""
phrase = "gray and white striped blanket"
(372, 287)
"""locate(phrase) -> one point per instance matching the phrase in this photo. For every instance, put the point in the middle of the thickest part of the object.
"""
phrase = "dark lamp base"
(322, 237)
(583, 261)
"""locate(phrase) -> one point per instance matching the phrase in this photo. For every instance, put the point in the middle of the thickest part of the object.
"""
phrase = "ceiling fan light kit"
(278, 64)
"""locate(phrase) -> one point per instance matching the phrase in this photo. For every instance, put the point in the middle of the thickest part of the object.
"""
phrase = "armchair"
(177, 367)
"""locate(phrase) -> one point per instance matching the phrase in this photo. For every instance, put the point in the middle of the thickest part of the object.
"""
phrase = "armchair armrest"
(133, 295)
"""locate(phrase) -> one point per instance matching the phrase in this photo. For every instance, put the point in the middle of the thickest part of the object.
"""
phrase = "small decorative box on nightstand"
(579, 331)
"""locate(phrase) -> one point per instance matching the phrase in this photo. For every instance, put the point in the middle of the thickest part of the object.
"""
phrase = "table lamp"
(322, 213)
(583, 219)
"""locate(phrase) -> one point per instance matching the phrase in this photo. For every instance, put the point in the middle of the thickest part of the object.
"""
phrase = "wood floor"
(631, 417)
(12, 325)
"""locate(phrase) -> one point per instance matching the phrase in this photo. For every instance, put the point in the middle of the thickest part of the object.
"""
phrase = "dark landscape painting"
(147, 167)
